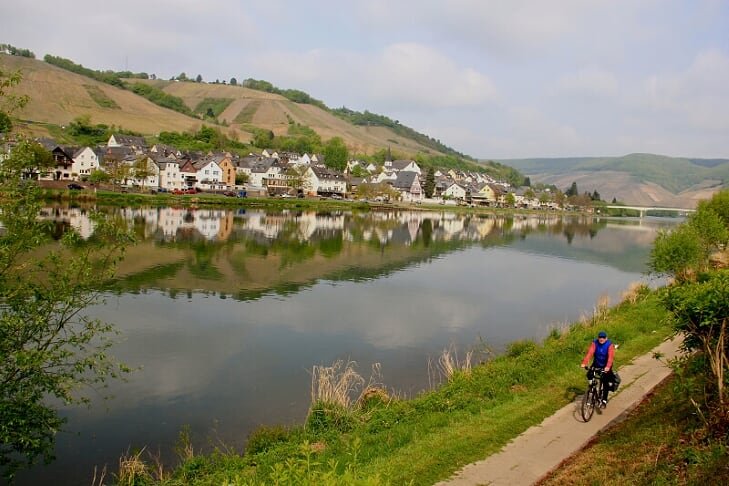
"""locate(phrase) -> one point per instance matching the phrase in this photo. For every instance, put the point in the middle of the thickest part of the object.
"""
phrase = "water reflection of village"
(246, 253)
(170, 224)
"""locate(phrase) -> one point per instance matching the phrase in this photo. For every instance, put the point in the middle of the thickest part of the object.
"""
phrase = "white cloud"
(589, 81)
(405, 75)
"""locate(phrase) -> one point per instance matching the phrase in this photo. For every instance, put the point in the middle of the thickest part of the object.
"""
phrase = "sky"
(493, 79)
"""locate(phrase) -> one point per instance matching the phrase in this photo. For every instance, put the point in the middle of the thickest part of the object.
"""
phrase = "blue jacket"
(601, 353)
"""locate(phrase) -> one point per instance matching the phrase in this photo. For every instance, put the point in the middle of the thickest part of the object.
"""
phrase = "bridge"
(644, 209)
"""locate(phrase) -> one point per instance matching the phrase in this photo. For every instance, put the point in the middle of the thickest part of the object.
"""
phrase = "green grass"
(427, 438)
(100, 97)
(246, 114)
(217, 105)
(662, 442)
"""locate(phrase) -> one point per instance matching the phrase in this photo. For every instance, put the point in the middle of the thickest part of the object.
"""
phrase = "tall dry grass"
(340, 384)
(447, 364)
(633, 292)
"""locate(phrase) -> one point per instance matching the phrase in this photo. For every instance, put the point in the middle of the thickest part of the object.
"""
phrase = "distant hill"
(59, 95)
(244, 108)
(645, 179)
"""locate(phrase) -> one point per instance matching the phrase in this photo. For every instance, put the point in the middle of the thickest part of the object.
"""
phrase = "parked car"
(337, 197)
(286, 196)
(75, 187)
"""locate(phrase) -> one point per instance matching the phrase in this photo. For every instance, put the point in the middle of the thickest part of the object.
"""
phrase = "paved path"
(542, 448)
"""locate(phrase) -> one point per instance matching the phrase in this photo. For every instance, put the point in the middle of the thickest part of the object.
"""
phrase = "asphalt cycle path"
(542, 448)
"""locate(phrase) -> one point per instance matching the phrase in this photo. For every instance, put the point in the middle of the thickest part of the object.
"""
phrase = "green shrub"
(264, 437)
(328, 416)
(517, 348)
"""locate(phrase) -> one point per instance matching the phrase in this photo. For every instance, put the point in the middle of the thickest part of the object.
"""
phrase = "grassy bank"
(662, 442)
(377, 439)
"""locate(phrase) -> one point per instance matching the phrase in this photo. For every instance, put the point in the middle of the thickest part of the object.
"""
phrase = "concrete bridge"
(644, 209)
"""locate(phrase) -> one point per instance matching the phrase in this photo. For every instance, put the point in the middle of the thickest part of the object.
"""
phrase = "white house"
(85, 161)
(455, 191)
(403, 166)
(209, 175)
(320, 180)
(170, 177)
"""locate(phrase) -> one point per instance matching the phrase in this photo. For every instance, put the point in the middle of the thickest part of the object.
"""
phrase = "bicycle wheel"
(588, 403)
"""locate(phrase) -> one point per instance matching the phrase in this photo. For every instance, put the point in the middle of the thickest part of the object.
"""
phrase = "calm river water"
(225, 312)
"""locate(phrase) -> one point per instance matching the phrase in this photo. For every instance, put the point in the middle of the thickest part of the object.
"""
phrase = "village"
(132, 165)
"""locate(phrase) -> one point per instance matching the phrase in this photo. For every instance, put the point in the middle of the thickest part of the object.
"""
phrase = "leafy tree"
(183, 77)
(527, 181)
(48, 349)
(701, 314)
(263, 138)
(595, 195)
(9, 102)
(142, 169)
(710, 228)
(719, 204)
(429, 186)
(678, 253)
(233, 82)
(241, 178)
(544, 198)
(336, 154)
(572, 191)
(510, 200)
(210, 113)
(5, 123)
(98, 176)
(198, 78)
(529, 193)
(359, 171)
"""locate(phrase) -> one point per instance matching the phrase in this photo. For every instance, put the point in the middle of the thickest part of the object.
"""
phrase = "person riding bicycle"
(604, 351)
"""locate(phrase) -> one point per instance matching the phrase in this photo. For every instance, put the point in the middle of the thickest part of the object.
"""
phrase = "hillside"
(58, 96)
(244, 108)
(644, 179)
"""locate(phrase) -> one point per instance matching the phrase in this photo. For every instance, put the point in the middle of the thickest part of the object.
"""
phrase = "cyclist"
(604, 351)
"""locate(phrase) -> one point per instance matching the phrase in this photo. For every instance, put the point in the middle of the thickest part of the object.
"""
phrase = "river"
(224, 312)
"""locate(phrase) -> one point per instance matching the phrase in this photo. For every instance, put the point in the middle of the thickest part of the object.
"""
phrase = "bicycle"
(593, 396)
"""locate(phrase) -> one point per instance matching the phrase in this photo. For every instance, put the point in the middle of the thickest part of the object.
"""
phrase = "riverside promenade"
(542, 448)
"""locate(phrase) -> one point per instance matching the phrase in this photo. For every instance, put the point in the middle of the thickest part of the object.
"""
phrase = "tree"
(49, 351)
(233, 82)
(198, 78)
(529, 193)
(572, 191)
(336, 154)
(142, 169)
(5, 123)
(210, 113)
(241, 178)
(183, 77)
(429, 186)
(510, 200)
(98, 176)
(595, 195)
(9, 102)
(678, 253)
(527, 181)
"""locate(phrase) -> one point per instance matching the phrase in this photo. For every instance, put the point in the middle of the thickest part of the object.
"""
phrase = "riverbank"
(663, 441)
(113, 198)
(379, 439)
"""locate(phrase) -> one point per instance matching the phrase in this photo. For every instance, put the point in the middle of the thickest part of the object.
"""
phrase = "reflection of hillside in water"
(246, 253)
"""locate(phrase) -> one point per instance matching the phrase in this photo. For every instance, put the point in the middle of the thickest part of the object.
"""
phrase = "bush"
(325, 417)
(517, 348)
(265, 437)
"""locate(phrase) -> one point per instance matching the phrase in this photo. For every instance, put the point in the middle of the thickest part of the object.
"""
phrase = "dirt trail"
(542, 448)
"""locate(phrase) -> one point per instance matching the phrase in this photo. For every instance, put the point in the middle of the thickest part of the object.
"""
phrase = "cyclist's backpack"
(616, 383)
